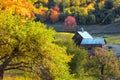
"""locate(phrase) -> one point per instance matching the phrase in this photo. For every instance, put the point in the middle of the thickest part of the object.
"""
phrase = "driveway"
(115, 48)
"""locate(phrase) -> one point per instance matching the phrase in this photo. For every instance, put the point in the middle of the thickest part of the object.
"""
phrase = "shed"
(80, 35)
(83, 38)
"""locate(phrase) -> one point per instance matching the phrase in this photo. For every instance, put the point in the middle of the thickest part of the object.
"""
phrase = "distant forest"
(84, 11)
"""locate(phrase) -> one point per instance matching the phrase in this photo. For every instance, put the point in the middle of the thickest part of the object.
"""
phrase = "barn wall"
(88, 46)
(77, 39)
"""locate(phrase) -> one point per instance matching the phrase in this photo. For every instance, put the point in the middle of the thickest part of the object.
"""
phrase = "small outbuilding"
(80, 35)
(84, 39)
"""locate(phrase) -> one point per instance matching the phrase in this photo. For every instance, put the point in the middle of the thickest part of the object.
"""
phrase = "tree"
(91, 19)
(51, 3)
(75, 2)
(102, 65)
(54, 16)
(116, 3)
(109, 4)
(78, 54)
(70, 23)
(29, 47)
(64, 4)
(56, 8)
(21, 7)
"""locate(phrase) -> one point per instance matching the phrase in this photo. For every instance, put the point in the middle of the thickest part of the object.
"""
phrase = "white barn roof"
(85, 34)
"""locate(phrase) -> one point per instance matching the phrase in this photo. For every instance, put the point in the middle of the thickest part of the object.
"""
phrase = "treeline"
(84, 11)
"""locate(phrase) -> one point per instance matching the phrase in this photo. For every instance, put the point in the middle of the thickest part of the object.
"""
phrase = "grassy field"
(111, 38)
(63, 35)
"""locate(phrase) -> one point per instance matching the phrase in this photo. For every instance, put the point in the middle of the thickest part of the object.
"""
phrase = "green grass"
(111, 39)
(16, 75)
(64, 35)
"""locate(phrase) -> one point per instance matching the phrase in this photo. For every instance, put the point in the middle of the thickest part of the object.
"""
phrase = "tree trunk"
(1, 74)
(102, 72)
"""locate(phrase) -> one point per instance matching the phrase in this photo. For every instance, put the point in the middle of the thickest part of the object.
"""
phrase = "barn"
(84, 39)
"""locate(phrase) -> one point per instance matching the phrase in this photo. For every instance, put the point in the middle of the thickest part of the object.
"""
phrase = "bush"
(70, 23)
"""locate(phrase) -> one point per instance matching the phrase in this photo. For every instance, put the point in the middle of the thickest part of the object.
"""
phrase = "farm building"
(84, 39)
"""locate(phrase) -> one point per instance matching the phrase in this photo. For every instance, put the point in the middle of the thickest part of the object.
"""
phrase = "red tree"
(56, 8)
(70, 23)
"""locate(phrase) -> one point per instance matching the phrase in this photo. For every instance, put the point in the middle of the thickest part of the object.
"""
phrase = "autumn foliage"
(56, 8)
(54, 16)
(70, 23)
(19, 7)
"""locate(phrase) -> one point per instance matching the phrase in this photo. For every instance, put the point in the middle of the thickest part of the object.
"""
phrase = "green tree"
(78, 53)
(109, 4)
(102, 65)
(80, 13)
(75, 2)
(91, 19)
(29, 47)
(116, 3)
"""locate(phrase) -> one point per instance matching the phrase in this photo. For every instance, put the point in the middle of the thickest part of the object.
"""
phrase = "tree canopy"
(29, 47)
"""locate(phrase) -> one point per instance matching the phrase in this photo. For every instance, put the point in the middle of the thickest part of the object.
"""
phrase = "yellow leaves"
(41, 10)
(20, 7)
(45, 1)
(76, 2)
(22, 22)
(90, 6)
(55, 58)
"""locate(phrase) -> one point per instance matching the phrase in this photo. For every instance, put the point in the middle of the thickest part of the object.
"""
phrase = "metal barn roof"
(85, 34)
(93, 41)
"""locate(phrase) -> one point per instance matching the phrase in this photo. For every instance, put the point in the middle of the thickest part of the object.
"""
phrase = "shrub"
(70, 23)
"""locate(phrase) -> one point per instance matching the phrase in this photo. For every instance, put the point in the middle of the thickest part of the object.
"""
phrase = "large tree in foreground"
(27, 46)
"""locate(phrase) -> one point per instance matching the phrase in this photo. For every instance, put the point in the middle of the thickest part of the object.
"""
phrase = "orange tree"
(20, 7)
(23, 8)
(54, 16)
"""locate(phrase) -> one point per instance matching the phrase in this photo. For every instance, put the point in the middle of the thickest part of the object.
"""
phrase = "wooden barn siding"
(91, 45)
(77, 39)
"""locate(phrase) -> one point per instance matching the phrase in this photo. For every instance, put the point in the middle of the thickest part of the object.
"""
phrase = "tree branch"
(8, 60)
(3, 57)
(19, 63)
(18, 67)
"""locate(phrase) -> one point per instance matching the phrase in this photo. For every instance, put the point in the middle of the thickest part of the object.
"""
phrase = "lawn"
(113, 39)
(64, 35)
(110, 38)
